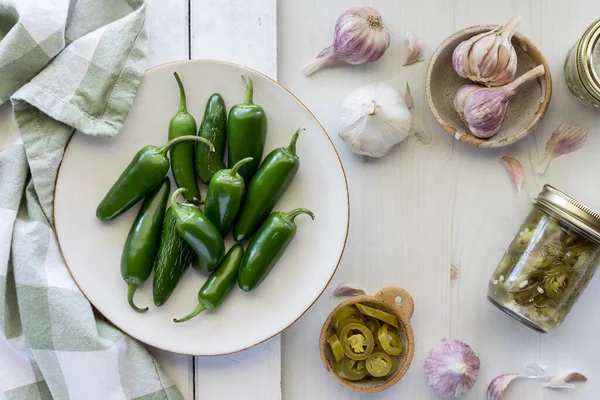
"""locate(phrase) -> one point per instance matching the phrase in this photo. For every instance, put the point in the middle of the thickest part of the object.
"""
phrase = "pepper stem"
(294, 213)
(292, 147)
(233, 170)
(182, 97)
(164, 149)
(131, 288)
(174, 203)
(248, 101)
(199, 308)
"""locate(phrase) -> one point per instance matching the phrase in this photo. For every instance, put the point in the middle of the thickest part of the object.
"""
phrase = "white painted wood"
(244, 32)
(421, 209)
(168, 34)
(240, 31)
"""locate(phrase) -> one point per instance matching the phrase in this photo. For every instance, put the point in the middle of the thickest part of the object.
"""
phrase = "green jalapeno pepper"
(379, 314)
(357, 341)
(268, 185)
(142, 241)
(149, 166)
(214, 129)
(246, 133)
(174, 257)
(219, 284)
(182, 155)
(389, 340)
(199, 233)
(351, 370)
(344, 313)
(336, 347)
(379, 364)
(267, 246)
(224, 197)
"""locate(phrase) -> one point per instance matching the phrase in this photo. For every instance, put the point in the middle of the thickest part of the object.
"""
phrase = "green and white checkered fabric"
(65, 65)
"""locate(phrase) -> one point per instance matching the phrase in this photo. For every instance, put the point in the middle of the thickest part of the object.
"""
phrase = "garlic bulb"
(360, 37)
(374, 119)
(452, 368)
(483, 109)
(488, 58)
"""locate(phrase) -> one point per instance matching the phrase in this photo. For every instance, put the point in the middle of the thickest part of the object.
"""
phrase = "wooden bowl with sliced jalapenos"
(367, 343)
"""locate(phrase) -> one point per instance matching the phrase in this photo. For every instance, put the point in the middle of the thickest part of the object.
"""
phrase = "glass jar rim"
(571, 210)
(586, 70)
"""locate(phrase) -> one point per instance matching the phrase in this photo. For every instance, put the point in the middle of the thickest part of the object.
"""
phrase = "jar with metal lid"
(549, 263)
(582, 67)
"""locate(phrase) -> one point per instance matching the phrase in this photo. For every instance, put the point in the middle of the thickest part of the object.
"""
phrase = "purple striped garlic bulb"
(488, 58)
(483, 109)
(452, 368)
(360, 37)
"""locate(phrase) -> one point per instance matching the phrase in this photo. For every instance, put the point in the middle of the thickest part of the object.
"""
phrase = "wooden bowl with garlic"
(367, 343)
(488, 85)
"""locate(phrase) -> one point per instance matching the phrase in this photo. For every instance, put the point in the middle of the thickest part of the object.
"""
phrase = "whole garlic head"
(452, 368)
(374, 119)
(488, 58)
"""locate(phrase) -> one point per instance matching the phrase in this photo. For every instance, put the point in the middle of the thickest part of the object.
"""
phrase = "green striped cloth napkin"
(65, 66)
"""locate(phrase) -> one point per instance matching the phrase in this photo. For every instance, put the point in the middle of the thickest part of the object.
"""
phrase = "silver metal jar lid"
(571, 210)
(587, 65)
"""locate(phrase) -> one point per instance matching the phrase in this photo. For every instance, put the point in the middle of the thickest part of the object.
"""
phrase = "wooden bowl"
(525, 109)
(396, 301)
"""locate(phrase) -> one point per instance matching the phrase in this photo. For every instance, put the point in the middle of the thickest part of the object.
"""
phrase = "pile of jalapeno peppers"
(364, 342)
(240, 198)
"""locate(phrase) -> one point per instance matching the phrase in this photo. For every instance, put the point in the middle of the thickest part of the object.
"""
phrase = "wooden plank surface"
(244, 32)
(423, 209)
(168, 33)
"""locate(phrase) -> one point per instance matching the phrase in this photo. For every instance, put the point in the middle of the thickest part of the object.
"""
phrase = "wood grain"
(424, 213)
(168, 32)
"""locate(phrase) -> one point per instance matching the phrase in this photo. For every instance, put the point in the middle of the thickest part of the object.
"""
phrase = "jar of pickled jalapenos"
(549, 263)
(582, 67)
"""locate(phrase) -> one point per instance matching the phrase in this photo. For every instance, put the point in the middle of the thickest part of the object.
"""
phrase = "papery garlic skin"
(564, 140)
(515, 171)
(360, 37)
(488, 58)
(452, 368)
(374, 119)
(483, 109)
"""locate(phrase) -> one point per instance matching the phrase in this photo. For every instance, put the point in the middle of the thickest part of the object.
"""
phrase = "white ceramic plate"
(92, 249)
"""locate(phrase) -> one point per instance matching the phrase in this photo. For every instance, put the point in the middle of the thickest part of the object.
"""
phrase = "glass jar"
(582, 67)
(549, 263)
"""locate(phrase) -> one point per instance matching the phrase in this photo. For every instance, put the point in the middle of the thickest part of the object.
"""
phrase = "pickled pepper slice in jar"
(357, 341)
(344, 313)
(379, 314)
(336, 347)
(379, 364)
(351, 370)
(390, 340)
(373, 324)
(556, 282)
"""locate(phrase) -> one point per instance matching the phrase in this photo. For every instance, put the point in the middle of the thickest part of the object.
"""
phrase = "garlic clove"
(565, 139)
(415, 49)
(359, 37)
(565, 381)
(488, 58)
(452, 368)
(483, 109)
(499, 384)
(374, 119)
(515, 171)
(348, 290)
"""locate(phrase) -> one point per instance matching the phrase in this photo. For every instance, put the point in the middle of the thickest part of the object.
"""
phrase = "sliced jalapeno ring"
(350, 320)
(556, 282)
(379, 364)
(389, 340)
(357, 341)
(379, 314)
(336, 347)
(352, 370)
(344, 313)
(373, 324)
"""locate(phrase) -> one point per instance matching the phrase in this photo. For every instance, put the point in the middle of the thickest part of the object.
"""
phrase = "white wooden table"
(418, 213)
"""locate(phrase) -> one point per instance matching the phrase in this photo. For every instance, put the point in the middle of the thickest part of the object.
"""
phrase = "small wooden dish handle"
(389, 294)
